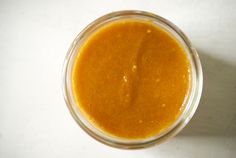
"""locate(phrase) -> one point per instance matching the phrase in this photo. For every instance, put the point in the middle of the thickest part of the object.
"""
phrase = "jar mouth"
(192, 99)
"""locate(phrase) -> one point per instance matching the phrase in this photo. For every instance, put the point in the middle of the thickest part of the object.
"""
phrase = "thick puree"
(130, 79)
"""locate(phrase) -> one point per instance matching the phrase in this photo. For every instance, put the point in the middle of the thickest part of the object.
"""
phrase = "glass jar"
(191, 102)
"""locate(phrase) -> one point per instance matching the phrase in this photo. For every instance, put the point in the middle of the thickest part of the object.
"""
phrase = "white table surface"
(34, 39)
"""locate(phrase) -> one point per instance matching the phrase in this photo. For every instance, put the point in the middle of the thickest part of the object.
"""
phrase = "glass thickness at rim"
(192, 102)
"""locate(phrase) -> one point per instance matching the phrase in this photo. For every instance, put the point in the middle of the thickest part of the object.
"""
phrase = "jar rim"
(185, 116)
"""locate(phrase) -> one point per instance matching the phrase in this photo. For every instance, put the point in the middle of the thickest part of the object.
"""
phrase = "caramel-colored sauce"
(131, 78)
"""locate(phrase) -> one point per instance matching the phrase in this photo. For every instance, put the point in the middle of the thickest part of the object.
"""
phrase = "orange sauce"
(131, 78)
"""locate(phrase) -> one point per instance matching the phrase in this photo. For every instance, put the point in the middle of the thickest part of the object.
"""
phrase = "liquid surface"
(131, 78)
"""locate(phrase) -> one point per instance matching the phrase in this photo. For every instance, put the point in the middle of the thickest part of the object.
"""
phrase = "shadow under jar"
(132, 79)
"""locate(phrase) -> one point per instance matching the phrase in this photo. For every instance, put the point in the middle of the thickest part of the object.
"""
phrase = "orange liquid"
(131, 78)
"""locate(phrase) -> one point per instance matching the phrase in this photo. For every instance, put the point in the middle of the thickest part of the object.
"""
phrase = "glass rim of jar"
(192, 100)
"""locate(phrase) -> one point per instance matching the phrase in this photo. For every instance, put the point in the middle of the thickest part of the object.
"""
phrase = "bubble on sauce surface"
(134, 68)
(125, 79)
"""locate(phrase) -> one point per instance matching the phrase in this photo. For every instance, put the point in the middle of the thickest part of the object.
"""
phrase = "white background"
(34, 39)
